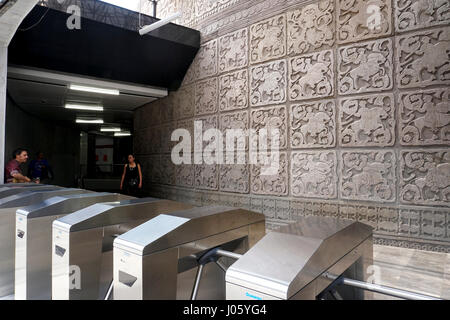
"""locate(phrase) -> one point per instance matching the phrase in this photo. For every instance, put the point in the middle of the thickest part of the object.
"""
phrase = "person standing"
(131, 182)
(13, 172)
(39, 169)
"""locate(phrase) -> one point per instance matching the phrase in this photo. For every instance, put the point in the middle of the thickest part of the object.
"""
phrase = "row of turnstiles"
(61, 243)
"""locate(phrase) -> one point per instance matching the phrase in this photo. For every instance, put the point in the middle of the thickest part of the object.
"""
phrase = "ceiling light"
(122, 134)
(90, 121)
(94, 89)
(85, 107)
(110, 129)
(159, 24)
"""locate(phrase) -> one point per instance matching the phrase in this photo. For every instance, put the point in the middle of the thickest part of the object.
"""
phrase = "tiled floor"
(413, 270)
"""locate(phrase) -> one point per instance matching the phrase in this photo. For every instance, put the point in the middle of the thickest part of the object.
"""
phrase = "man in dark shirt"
(39, 169)
(13, 173)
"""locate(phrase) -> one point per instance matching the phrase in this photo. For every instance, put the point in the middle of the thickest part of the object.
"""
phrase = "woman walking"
(131, 182)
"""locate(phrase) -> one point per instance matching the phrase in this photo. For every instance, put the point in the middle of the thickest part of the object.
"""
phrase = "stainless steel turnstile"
(9, 190)
(161, 258)
(33, 278)
(82, 244)
(8, 208)
(294, 263)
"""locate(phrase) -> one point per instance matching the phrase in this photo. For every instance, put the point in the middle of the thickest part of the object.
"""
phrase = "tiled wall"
(363, 112)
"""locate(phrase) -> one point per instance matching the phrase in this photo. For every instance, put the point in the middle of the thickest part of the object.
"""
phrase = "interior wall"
(359, 91)
(60, 145)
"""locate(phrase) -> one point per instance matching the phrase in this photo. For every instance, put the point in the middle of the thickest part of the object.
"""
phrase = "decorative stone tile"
(282, 209)
(167, 109)
(313, 125)
(153, 140)
(368, 175)
(184, 175)
(367, 121)
(269, 209)
(235, 120)
(206, 93)
(313, 174)
(270, 118)
(348, 212)
(234, 178)
(268, 39)
(416, 14)
(313, 208)
(184, 102)
(187, 124)
(311, 28)
(423, 58)
(233, 91)
(388, 220)
(409, 222)
(425, 177)
(424, 117)
(166, 135)
(207, 60)
(191, 73)
(276, 184)
(152, 169)
(268, 83)
(167, 170)
(365, 67)
(363, 19)
(207, 176)
(233, 51)
(297, 209)
(256, 204)
(311, 76)
(330, 210)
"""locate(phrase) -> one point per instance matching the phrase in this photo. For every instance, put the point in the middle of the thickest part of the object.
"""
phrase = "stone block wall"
(359, 90)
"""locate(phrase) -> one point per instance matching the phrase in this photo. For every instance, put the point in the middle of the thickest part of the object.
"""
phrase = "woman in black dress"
(131, 182)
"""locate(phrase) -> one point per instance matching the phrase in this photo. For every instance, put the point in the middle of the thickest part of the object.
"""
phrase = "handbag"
(133, 182)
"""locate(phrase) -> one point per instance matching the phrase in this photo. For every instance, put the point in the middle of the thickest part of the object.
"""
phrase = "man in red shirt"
(13, 173)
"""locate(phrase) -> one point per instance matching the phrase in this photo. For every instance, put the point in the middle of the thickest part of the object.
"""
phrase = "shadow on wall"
(60, 145)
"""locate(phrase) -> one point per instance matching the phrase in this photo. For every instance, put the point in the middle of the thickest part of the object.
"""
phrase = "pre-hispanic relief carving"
(313, 174)
(313, 125)
(167, 170)
(363, 19)
(276, 184)
(424, 117)
(310, 28)
(206, 176)
(270, 118)
(234, 178)
(233, 50)
(415, 14)
(423, 58)
(184, 175)
(365, 67)
(367, 121)
(368, 175)
(424, 223)
(206, 92)
(268, 83)
(233, 91)
(208, 122)
(268, 39)
(207, 60)
(311, 76)
(235, 120)
(184, 101)
(425, 177)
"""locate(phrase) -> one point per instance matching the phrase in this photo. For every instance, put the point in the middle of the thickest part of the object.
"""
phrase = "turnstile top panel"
(66, 204)
(9, 191)
(107, 214)
(176, 228)
(35, 196)
(281, 264)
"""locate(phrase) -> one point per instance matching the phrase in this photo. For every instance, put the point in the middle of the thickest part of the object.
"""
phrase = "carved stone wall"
(359, 90)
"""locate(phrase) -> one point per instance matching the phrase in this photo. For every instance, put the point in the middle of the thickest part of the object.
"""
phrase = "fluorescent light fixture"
(159, 24)
(110, 130)
(122, 134)
(90, 121)
(85, 107)
(77, 87)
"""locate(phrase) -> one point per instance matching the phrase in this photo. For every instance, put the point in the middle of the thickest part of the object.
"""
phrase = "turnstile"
(33, 278)
(161, 258)
(294, 262)
(7, 190)
(82, 244)
(8, 208)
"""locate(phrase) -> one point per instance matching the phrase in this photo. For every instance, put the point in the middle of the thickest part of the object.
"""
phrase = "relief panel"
(233, 51)
(276, 184)
(417, 14)
(270, 118)
(207, 60)
(268, 83)
(233, 91)
(206, 96)
(268, 39)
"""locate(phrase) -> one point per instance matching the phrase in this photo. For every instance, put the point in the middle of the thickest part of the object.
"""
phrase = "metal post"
(228, 254)
(110, 288)
(197, 282)
(155, 5)
(221, 266)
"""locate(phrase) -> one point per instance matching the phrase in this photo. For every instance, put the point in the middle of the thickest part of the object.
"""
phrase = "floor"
(420, 271)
